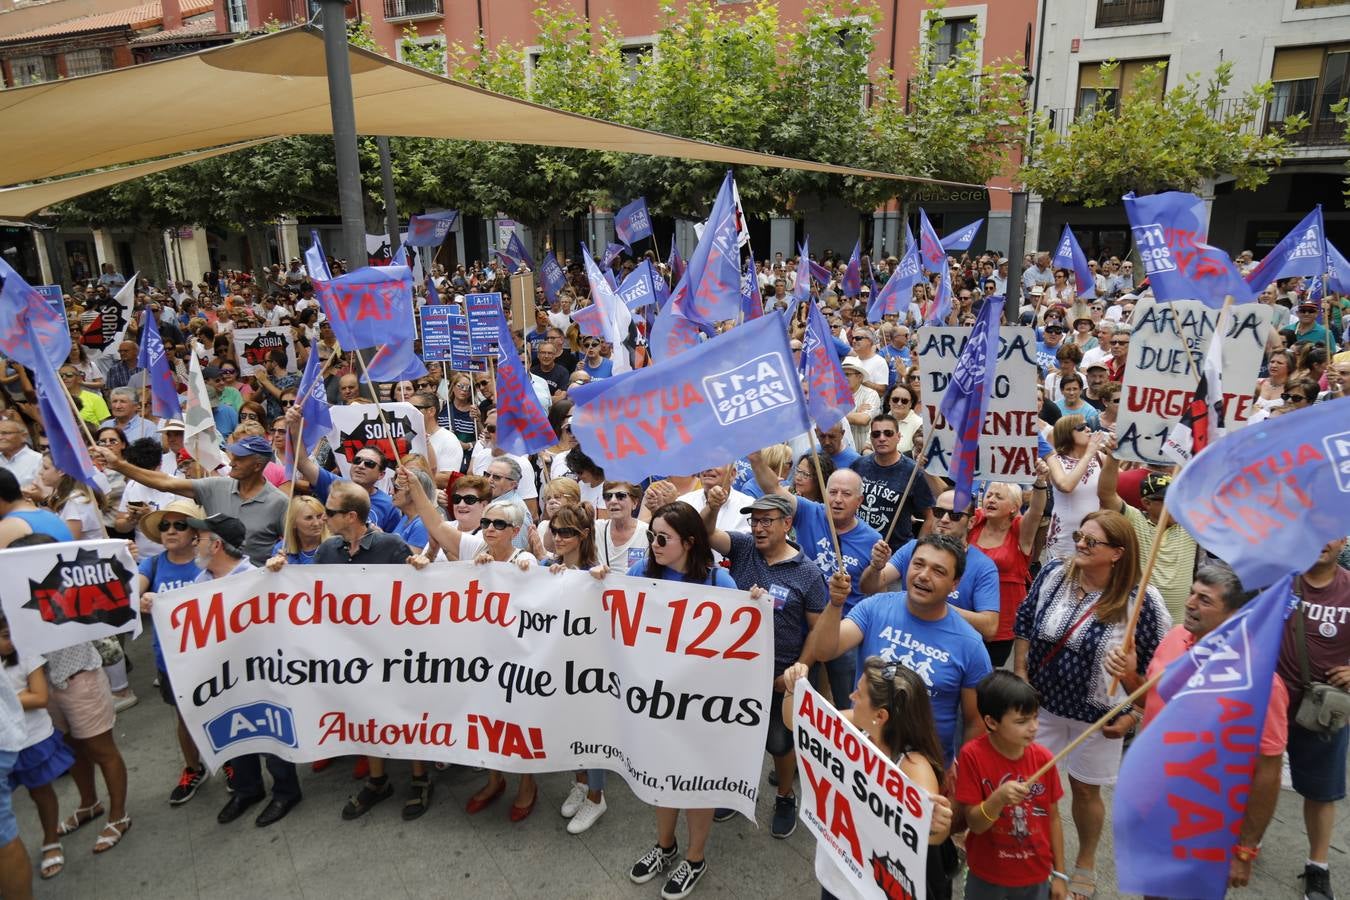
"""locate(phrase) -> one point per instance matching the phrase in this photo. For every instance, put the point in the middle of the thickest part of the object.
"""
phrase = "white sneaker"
(575, 798)
(587, 815)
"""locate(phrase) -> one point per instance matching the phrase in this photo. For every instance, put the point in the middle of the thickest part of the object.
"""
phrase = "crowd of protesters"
(969, 644)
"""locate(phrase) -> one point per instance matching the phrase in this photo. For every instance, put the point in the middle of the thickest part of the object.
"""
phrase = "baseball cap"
(253, 445)
(227, 528)
(770, 503)
(1313, 307)
(172, 425)
(210, 372)
(152, 522)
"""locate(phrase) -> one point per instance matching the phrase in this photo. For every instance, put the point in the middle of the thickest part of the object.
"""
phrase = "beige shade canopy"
(275, 85)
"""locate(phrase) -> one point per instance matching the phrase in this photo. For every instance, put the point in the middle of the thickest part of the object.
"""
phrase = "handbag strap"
(1054, 651)
(1301, 636)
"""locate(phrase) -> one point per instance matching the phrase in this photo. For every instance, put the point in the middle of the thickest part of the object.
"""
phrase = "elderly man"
(15, 454)
(126, 416)
(1098, 355)
(120, 373)
(876, 370)
(1039, 274)
(486, 452)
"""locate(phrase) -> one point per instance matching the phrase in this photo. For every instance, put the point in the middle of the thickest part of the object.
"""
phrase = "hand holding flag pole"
(919, 461)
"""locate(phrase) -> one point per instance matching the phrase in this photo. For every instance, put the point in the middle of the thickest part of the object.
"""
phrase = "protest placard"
(68, 593)
(870, 822)
(1008, 441)
(484, 311)
(435, 321)
(666, 683)
(461, 357)
(252, 346)
(1159, 381)
(401, 431)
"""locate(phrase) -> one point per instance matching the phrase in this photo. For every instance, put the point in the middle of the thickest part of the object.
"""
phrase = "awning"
(275, 85)
(21, 202)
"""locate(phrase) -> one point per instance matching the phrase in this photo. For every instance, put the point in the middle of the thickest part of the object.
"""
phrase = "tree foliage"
(1159, 141)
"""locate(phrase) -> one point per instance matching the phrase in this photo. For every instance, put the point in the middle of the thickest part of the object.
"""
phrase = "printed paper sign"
(484, 312)
(401, 431)
(1008, 441)
(436, 332)
(871, 823)
(64, 594)
(1159, 382)
(461, 359)
(252, 346)
(665, 683)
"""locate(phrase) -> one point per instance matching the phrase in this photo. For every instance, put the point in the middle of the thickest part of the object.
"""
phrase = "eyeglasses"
(249, 415)
(499, 524)
(367, 463)
(466, 499)
(659, 540)
(175, 526)
(615, 495)
(764, 521)
(1119, 343)
(566, 533)
(1293, 398)
(950, 515)
(335, 512)
(278, 431)
(102, 442)
(493, 476)
(1054, 330)
(1091, 543)
(883, 432)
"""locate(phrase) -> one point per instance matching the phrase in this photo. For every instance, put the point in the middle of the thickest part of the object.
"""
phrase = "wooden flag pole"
(900, 506)
(825, 502)
(379, 408)
(1098, 725)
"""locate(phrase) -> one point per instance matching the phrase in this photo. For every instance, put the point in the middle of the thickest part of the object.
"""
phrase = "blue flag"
(639, 288)
(632, 223)
(967, 397)
(1302, 251)
(20, 300)
(721, 400)
(1338, 271)
(1267, 498)
(430, 229)
(801, 288)
(931, 255)
(714, 273)
(851, 284)
(1070, 256)
(962, 238)
(522, 426)
(65, 439)
(514, 254)
(316, 260)
(1170, 234)
(1192, 767)
(673, 332)
(612, 252)
(828, 396)
(898, 291)
(400, 257)
(433, 298)
(752, 304)
(821, 274)
(552, 277)
(318, 421)
(942, 303)
(164, 401)
(677, 266)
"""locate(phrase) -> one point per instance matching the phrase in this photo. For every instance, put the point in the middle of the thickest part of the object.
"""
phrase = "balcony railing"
(395, 10)
(1113, 13)
(1322, 131)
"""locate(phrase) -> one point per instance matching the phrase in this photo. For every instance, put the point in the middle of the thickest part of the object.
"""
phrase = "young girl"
(44, 756)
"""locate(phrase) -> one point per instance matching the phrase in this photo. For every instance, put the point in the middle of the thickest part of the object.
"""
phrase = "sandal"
(105, 841)
(81, 817)
(371, 793)
(419, 800)
(52, 865)
(1083, 878)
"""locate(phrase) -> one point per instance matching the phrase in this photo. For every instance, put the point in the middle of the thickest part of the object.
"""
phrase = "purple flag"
(942, 303)
(65, 438)
(1302, 251)
(430, 229)
(164, 401)
(967, 397)
(672, 331)
(801, 288)
(18, 299)
(962, 238)
(931, 254)
(371, 309)
(1267, 498)
(1197, 757)
(851, 284)
(828, 396)
(632, 222)
(612, 252)
(898, 291)
(721, 400)
(514, 254)
(821, 274)
(1170, 234)
(752, 304)
(1070, 256)
(313, 404)
(714, 273)
(552, 277)
(522, 426)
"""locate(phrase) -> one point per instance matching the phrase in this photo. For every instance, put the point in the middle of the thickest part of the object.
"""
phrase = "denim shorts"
(9, 825)
(1317, 762)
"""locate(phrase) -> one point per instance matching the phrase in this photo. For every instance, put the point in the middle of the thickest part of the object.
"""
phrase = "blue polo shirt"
(977, 591)
(796, 587)
(383, 513)
(813, 535)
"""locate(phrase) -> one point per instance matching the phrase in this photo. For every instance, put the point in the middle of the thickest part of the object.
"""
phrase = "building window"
(236, 15)
(88, 62)
(434, 42)
(1100, 91)
(32, 70)
(1310, 81)
(635, 56)
(952, 33)
(1113, 13)
(411, 9)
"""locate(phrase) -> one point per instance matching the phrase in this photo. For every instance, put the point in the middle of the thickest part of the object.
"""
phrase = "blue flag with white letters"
(639, 289)
(1302, 251)
(898, 291)
(962, 238)
(1267, 498)
(1193, 763)
(719, 401)
(828, 396)
(942, 303)
(1170, 234)
(752, 304)
(967, 398)
(552, 277)
(51, 332)
(632, 222)
(1068, 255)
(164, 401)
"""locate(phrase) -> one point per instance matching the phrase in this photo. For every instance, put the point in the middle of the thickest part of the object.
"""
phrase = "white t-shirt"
(449, 454)
(78, 509)
(729, 517)
(36, 722)
(620, 557)
(877, 369)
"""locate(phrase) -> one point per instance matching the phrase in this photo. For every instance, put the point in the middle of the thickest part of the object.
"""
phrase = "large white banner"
(252, 346)
(401, 431)
(60, 595)
(664, 682)
(1008, 441)
(1159, 382)
(870, 822)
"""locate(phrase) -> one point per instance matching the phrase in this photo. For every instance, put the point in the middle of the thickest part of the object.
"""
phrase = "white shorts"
(1095, 761)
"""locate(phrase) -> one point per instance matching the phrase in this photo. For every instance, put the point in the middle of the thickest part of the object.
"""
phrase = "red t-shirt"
(1015, 851)
(1014, 573)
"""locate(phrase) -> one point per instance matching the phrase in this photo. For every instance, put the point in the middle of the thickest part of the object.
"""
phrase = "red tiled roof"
(134, 17)
(200, 28)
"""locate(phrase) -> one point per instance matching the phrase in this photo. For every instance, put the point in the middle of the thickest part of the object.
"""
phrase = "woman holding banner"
(891, 707)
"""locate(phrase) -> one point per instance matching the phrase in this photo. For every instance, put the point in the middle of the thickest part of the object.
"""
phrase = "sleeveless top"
(43, 521)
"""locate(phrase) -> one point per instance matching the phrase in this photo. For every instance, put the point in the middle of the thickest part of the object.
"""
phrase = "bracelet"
(985, 812)
(1246, 854)
(1060, 875)
(1038, 487)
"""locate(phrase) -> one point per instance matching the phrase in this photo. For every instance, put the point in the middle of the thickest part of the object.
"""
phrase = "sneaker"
(681, 882)
(124, 700)
(723, 815)
(587, 815)
(653, 863)
(1317, 883)
(784, 816)
(188, 782)
(575, 798)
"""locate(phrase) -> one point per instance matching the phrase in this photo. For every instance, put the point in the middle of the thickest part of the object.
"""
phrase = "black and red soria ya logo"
(90, 589)
(394, 439)
(109, 323)
(891, 877)
(257, 350)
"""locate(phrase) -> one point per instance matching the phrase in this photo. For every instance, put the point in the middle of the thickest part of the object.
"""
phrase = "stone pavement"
(174, 854)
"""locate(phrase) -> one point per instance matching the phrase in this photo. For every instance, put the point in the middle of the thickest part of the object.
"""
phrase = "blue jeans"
(9, 825)
(595, 779)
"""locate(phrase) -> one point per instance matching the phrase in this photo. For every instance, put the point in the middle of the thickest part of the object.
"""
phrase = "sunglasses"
(499, 524)
(1293, 398)
(228, 372)
(1116, 343)
(615, 495)
(366, 463)
(490, 429)
(483, 383)
(567, 533)
(335, 512)
(659, 540)
(901, 401)
(883, 432)
(1082, 427)
(1089, 542)
(175, 526)
(1054, 330)
(951, 515)
(466, 499)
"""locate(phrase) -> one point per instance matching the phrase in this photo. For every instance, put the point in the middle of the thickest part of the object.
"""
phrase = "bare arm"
(444, 533)
(986, 623)
(1021, 647)
(713, 498)
(1107, 494)
(305, 466)
(970, 715)
(1063, 480)
(767, 479)
(1031, 520)
(151, 478)
(832, 636)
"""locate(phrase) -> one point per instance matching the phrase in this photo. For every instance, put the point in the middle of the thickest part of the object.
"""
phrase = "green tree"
(1159, 141)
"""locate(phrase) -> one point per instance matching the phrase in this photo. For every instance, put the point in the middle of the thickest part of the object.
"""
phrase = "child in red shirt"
(1015, 848)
